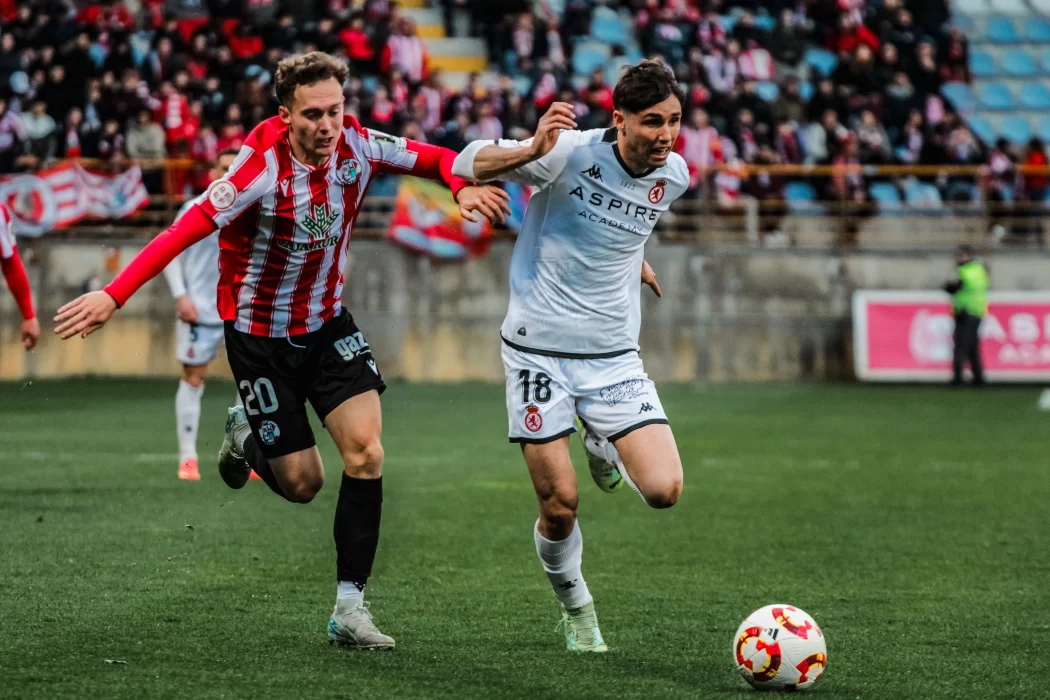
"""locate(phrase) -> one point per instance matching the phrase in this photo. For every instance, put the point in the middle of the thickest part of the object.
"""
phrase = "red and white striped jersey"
(285, 226)
(7, 236)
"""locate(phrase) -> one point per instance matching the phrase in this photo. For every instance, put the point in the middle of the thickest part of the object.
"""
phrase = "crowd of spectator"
(188, 78)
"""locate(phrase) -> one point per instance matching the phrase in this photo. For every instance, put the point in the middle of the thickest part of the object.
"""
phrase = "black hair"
(643, 85)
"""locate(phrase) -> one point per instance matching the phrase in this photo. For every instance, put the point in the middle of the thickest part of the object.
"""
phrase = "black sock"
(257, 461)
(356, 529)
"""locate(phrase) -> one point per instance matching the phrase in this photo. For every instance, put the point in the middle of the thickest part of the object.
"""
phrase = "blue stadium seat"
(765, 22)
(800, 196)
(523, 84)
(886, 196)
(610, 30)
(959, 95)
(767, 91)
(727, 22)
(982, 128)
(965, 24)
(613, 67)
(1035, 95)
(970, 7)
(1016, 129)
(995, 96)
(1010, 7)
(1001, 30)
(822, 61)
(922, 194)
(805, 90)
(1020, 63)
(1037, 29)
(982, 64)
(1044, 60)
(585, 60)
(1044, 128)
(1040, 6)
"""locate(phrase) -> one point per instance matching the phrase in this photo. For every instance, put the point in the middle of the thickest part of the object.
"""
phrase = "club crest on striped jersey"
(348, 171)
(320, 222)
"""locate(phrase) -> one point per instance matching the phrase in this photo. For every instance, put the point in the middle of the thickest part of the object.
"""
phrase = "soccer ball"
(779, 647)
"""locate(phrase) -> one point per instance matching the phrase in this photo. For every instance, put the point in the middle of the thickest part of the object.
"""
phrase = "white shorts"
(197, 345)
(614, 396)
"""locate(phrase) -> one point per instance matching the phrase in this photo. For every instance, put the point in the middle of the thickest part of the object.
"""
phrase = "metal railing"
(966, 209)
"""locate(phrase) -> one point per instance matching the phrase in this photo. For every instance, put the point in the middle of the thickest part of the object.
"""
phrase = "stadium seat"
(1044, 60)
(727, 22)
(801, 198)
(805, 90)
(613, 67)
(1010, 7)
(1044, 128)
(610, 30)
(1001, 30)
(994, 96)
(886, 196)
(767, 91)
(982, 64)
(959, 95)
(586, 58)
(1019, 63)
(1040, 6)
(1035, 95)
(982, 128)
(1016, 130)
(765, 22)
(523, 84)
(970, 7)
(1037, 29)
(921, 194)
(822, 61)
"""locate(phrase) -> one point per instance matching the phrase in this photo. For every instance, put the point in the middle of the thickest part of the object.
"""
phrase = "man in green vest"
(970, 304)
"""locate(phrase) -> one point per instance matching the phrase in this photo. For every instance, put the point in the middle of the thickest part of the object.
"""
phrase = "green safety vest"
(972, 297)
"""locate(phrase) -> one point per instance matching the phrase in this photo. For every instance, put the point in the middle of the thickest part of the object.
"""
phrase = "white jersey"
(195, 272)
(575, 275)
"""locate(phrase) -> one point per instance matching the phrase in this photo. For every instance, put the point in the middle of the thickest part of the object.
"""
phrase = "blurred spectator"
(926, 76)
(903, 35)
(901, 99)
(767, 187)
(912, 140)
(232, 133)
(145, 141)
(41, 135)
(789, 106)
(111, 143)
(487, 127)
(71, 147)
(873, 142)
(358, 46)
(721, 71)
(851, 34)
(955, 57)
(699, 145)
(889, 65)
(1035, 184)
(405, 50)
(788, 43)
(823, 139)
(58, 94)
(824, 98)
(787, 144)
(1002, 178)
(756, 63)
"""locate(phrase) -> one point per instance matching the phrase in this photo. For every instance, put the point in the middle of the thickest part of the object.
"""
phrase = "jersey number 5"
(541, 390)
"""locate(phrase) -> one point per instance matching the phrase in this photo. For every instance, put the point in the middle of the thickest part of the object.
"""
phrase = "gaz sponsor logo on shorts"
(624, 391)
(533, 419)
(269, 433)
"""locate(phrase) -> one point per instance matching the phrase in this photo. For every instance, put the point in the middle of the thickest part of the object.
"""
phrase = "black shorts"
(277, 376)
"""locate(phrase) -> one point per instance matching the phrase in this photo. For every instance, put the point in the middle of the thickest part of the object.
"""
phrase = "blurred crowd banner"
(907, 336)
(427, 220)
(64, 195)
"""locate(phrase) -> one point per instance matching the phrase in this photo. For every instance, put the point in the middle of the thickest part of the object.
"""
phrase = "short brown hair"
(643, 85)
(307, 69)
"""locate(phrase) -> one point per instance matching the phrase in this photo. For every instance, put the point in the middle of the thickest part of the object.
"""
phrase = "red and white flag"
(61, 196)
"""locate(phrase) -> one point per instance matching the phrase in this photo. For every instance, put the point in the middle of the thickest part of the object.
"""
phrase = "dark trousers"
(967, 348)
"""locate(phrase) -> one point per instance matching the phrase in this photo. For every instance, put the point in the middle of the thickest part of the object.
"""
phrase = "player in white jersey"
(570, 338)
(193, 278)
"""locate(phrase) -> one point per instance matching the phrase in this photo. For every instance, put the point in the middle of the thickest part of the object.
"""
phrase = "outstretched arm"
(526, 162)
(89, 312)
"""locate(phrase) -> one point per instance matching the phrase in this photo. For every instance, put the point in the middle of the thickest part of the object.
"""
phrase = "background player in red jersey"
(285, 212)
(17, 281)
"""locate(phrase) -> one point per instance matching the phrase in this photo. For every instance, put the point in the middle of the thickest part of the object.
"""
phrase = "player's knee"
(558, 513)
(193, 376)
(364, 461)
(664, 493)
(305, 488)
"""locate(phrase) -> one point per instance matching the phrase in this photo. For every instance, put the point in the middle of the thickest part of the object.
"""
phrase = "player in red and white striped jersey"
(17, 281)
(285, 211)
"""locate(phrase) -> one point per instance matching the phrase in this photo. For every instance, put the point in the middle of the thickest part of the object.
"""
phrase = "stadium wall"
(729, 313)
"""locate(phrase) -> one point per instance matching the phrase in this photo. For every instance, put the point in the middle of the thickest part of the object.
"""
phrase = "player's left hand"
(85, 314)
(30, 333)
(492, 202)
(649, 278)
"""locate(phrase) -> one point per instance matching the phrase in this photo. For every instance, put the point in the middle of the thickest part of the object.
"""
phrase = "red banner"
(61, 196)
(907, 336)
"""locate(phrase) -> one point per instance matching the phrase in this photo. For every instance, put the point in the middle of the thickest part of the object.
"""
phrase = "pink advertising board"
(907, 336)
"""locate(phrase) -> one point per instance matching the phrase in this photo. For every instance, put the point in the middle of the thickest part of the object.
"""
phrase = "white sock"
(562, 560)
(349, 592)
(187, 418)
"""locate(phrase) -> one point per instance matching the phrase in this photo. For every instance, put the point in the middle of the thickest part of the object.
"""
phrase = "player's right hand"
(85, 314)
(560, 116)
(186, 309)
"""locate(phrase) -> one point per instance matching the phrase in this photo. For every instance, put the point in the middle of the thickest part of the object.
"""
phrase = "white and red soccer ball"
(780, 647)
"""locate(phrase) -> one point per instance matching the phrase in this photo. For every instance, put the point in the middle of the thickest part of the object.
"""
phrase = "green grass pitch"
(911, 522)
